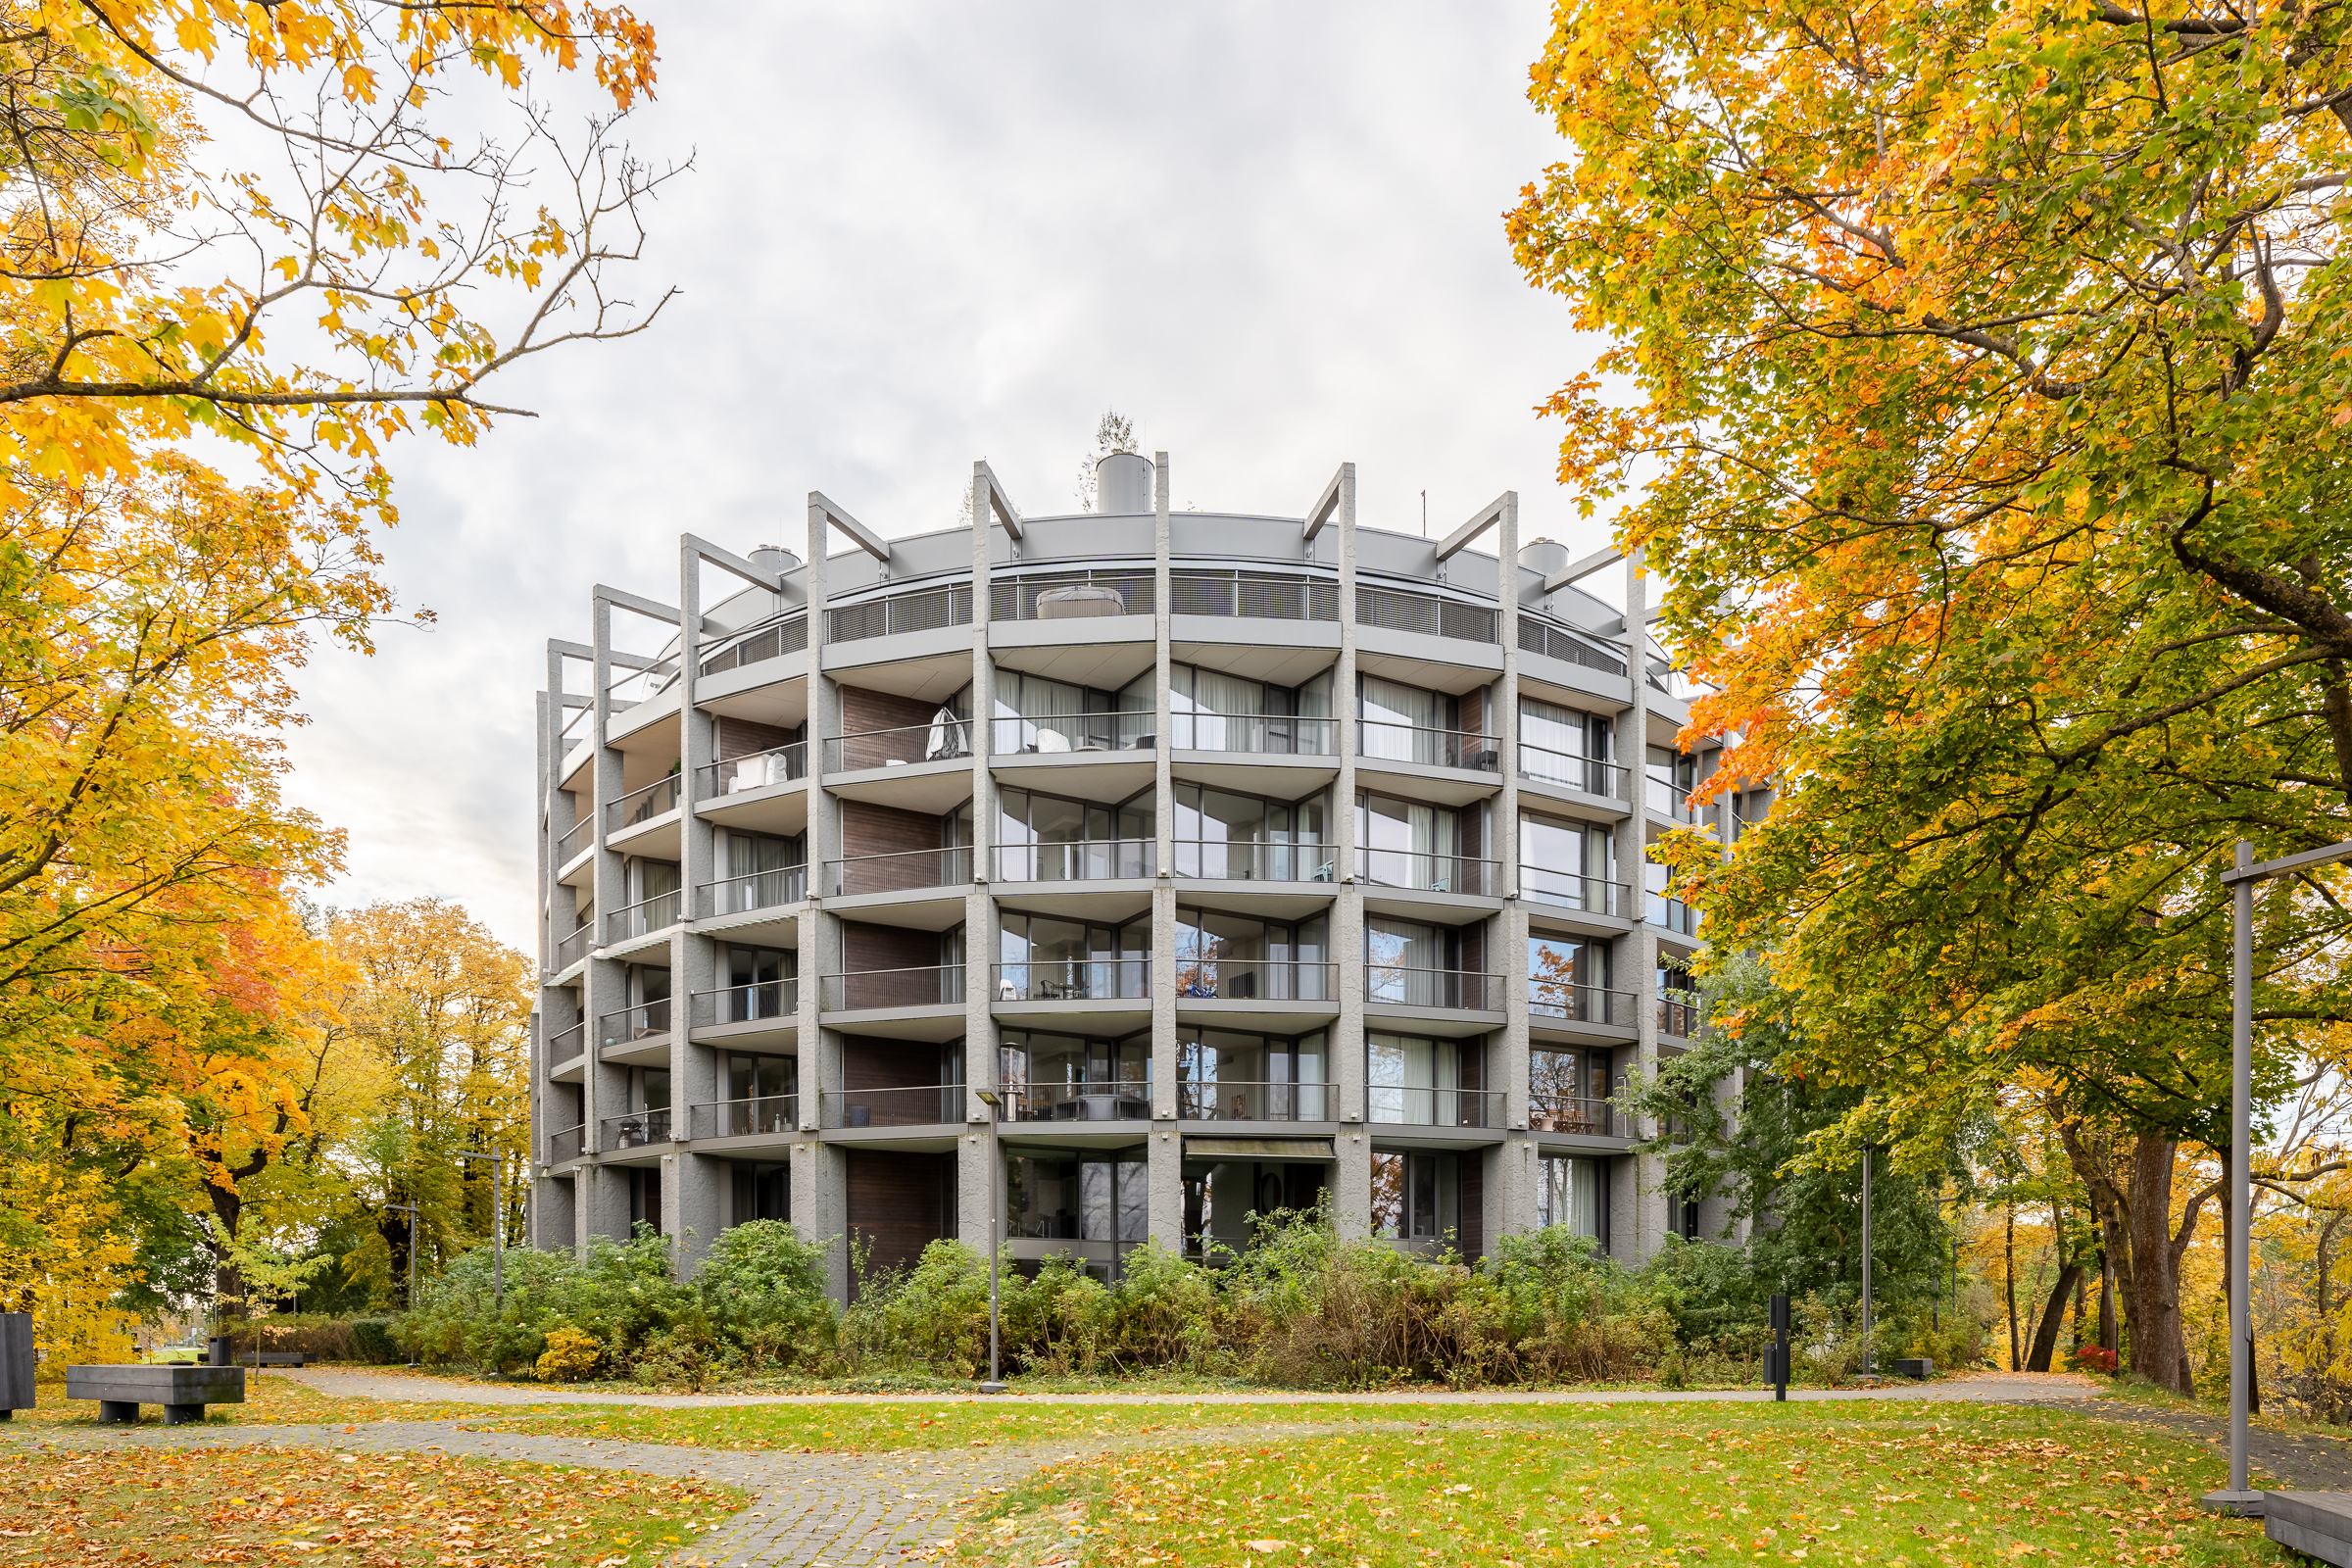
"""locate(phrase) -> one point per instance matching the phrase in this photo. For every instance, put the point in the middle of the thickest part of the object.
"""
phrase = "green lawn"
(268, 1402)
(1813, 1484)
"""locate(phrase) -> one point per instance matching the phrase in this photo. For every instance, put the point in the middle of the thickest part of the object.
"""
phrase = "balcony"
(771, 1114)
(636, 1130)
(566, 1144)
(1567, 1114)
(1398, 1105)
(753, 890)
(1382, 741)
(1073, 980)
(1013, 597)
(1465, 990)
(1256, 734)
(769, 1002)
(1225, 1100)
(922, 1105)
(910, 871)
(1254, 980)
(866, 990)
(1053, 734)
(646, 1021)
(1255, 860)
(1069, 1103)
(572, 840)
(1077, 861)
(759, 644)
(935, 741)
(1671, 915)
(738, 775)
(1681, 1015)
(1563, 1001)
(644, 917)
(1589, 775)
(642, 805)
(573, 948)
(1419, 872)
(1566, 890)
(1669, 799)
(566, 1044)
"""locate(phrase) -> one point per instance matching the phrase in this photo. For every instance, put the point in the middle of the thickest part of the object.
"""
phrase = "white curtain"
(1217, 697)
(1397, 719)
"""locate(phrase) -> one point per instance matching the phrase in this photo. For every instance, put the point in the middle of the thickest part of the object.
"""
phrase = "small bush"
(371, 1340)
(570, 1356)
(2093, 1358)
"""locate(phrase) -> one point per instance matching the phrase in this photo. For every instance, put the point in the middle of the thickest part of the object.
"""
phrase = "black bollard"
(1779, 1348)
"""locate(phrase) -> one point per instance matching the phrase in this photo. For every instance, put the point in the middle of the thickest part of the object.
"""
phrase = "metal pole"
(2241, 1075)
(996, 1237)
(1869, 1359)
(497, 1228)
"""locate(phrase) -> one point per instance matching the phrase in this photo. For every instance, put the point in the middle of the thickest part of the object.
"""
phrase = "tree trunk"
(2159, 1350)
(2009, 1283)
(2046, 1338)
(2110, 1339)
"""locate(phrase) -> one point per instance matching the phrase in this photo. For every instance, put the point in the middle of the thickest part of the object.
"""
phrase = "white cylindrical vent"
(1545, 556)
(1123, 485)
(775, 559)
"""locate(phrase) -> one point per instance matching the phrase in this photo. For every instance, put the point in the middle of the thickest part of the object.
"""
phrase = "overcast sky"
(922, 234)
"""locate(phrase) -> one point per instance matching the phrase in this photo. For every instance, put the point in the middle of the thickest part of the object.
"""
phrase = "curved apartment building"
(1179, 865)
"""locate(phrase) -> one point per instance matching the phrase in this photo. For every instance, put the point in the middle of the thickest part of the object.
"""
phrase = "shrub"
(569, 1356)
(2093, 1358)
(371, 1340)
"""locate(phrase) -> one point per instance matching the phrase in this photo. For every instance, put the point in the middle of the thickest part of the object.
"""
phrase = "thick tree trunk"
(2110, 1337)
(2053, 1317)
(2159, 1350)
(2009, 1283)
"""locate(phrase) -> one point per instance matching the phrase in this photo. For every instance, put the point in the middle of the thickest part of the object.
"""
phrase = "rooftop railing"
(1128, 1101)
(780, 764)
(644, 917)
(1232, 1100)
(746, 1003)
(1537, 637)
(1072, 980)
(648, 1020)
(914, 609)
(1015, 596)
(1255, 860)
(1256, 734)
(940, 741)
(753, 890)
(1568, 890)
(1589, 775)
(643, 804)
(1384, 740)
(859, 990)
(1050, 734)
(1258, 594)
(1254, 980)
(908, 872)
(746, 1118)
(1406, 987)
(1077, 861)
(637, 1130)
(1565, 1002)
(1416, 871)
(1399, 1104)
(918, 1106)
(756, 644)
(1569, 1113)
(1400, 610)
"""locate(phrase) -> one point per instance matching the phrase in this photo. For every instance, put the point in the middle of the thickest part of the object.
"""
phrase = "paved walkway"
(2306, 1463)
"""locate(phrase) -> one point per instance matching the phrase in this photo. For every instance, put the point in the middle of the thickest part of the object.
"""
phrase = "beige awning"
(1258, 1149)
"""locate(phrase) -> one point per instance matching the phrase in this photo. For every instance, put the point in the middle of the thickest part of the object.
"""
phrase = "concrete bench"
(2317, 1524)
(270, 1358)
(182, 1391)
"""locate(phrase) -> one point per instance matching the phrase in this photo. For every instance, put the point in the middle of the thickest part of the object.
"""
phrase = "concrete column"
(693, 1186)
(1352, 1179)
(1645, 1200)
(1164, 1199)
(819, 1199)
(976, 1220)
(605, 1089)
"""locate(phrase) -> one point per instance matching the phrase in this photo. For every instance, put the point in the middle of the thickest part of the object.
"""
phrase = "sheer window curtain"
(1225, 711)
(1399, 722)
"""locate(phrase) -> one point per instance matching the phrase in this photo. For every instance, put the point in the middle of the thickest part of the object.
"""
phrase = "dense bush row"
(1301, 1308)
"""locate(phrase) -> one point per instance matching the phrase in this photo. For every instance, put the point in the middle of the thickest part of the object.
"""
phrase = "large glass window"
(1212, 710)
(1037, 714)
(1573, 1192)
(1672, 776)
(1422, 1083)
(761, 1191)
(1414, 964)
(1225, 1076)
(1240, 838)
(1569, 980)
(1221, 1198)
(1077, 1197)
(756, 983)
(1235, 957)
(757, 871)
(1568, 1090)
(1407, 844)
(1044, 838)
(758, 1096)
(1404, 723)
(1562, 745)
(1050, 1077)
(1572, 865)
(1415, 1197)
(1040, 958)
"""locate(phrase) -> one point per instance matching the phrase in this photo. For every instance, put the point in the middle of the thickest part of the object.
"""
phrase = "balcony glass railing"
(1570, 771)
(644, 917)
(565, 1143)
(940, 741)
(1255, 860)
(1426, 873)
(643, 804)
(572, 840)
(1385, 741)
(754, 1004)
(1569, 1113)
(573, 948)
(1402, 1106)
(1671, 915)
(1681, 1015)
(917, 1106)
(1048, 734)
(746, 1118)
(1077, 861)
(1256, 734)
(1407, 987)
(1567, 889)
(1254, 980)
(1563, 1001)
(637, 1129)
(937, 984)
(1225, 1100)
(1125, 1101)
(783, 765)
(912, 871)
(566, 1044)
(647, 1021)
(753, 890)
(1073, 980)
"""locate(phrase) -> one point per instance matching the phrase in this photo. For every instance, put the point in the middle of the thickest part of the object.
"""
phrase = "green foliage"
(372, 1340)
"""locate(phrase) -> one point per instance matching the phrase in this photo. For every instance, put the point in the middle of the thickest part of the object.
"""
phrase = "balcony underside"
(940, 1022)
(770, 1037)
(1445, 1023)
(1415, 904)
(1108, 902)
(1581, 805)
(651, 1051)
(1110, 1018)
(932, 788)
(1104, 778)
(777, 927)
(923, 910)
(1400, 1134)
(1277, 775)
(1255, 1015)
(1420, 781)
(654, 839)
(1541, 1027)
(769, 808)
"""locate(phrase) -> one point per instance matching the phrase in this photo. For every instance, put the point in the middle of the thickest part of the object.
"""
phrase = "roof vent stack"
(1123, 485)
(774, 558)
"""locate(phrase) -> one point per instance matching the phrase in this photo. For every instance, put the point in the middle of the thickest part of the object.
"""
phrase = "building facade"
(1122, 874)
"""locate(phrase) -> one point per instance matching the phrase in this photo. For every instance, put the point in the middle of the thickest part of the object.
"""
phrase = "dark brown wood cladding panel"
(870, 1063)
(898, 1204)
(744, 737)
(870, 829)
(1473, 1235)
(867, 948)
(864, 711)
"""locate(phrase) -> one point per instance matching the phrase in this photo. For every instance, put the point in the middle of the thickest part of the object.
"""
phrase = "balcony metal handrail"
(778, 764)
(1567, 889)
(1671, 915)
(939, 741)
(1399, 1104)
(1077, 861)
(1427, 873)
(907, 871)
(649, 1021)
(566, 1142)
(753, 890)
(572, 949)
(1667, 798)
(566, 1044)
(908, 1106)
(1405, 986)
(860, 989)
(787, 634)
(1125, 1100)
(1242, 1100)
(643, 804)
(1255, 980)
(1569, 1113)
(747, 1004)
(1385, 740)
(1050, 734)
(1569, 1002)
(575, 838)
(1591, 775)
(637, 1129)
(1256, 734)
(645, 916)
(1256, 860)
(744, 1118)
(1681, 1015)
(1072, 980)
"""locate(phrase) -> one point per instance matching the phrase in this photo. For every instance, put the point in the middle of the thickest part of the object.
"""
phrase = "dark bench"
(182, 1391)
(2317, 1524)
(270, 1358)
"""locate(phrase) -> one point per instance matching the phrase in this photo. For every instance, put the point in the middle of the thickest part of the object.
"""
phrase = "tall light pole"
(415, 1224)
(1869, 1355)
(498, 1230)
(2241, 879)
(995, 1231)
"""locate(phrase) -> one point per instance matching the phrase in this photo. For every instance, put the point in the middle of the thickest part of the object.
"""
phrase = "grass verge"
(174, 1506)
(268, 1402)
(1905, 1487)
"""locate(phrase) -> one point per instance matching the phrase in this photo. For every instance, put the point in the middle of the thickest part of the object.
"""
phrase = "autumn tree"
(1980, 371)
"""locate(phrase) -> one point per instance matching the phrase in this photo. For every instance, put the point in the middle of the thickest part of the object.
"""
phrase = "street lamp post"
(416, 1223)
(2241, 879)
(498, 1230)
(1869, 1355)
(995, 1231)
